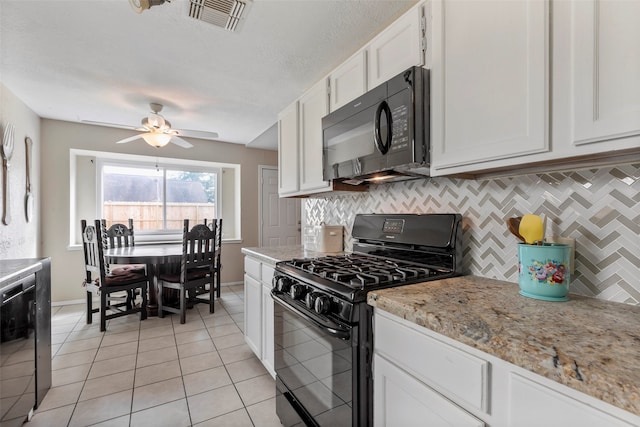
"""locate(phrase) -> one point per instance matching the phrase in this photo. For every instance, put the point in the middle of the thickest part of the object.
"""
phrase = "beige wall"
(20, 239)
(59, 137)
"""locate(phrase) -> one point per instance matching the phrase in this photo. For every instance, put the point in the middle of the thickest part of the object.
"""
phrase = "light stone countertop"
(585, 343)
(272, 255)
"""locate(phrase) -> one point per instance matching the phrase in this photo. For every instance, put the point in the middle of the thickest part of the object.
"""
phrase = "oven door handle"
(329, 327)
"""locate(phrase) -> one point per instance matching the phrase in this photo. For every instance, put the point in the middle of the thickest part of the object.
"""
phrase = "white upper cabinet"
(489, 81)
(493, 106)
(605, 73)
(398, 47)
(348, 81)
(313, 105)
(288, 150)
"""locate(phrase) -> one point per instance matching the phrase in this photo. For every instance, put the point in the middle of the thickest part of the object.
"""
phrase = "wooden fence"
(148, 215)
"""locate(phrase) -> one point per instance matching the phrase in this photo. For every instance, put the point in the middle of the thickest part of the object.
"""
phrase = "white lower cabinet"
(402, 400)
(424, 378)
(258, 311)
(528, 397)
(267, 320)
(253, 314)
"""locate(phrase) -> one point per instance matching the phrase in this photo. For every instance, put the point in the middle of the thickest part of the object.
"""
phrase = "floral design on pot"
(551, 272)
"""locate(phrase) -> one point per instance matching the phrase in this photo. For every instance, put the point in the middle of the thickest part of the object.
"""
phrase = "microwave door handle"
(383, 147)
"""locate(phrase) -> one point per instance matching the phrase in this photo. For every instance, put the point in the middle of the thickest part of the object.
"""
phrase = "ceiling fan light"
(156, 139)
(156, 121)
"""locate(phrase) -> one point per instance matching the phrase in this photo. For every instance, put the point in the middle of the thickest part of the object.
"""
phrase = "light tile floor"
(157, 372)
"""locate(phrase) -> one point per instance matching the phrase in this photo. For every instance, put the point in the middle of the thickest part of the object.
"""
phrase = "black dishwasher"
(18, 350)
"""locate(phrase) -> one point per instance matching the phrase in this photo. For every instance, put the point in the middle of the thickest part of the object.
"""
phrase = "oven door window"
(315, 366)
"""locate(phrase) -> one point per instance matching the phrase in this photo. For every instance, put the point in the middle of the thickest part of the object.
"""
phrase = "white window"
(157, 198)
(158, 194)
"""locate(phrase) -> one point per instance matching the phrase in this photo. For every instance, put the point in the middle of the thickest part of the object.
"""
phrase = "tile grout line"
(237, 299)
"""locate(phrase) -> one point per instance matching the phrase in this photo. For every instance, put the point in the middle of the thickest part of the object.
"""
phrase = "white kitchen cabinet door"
(267, 319)
(397, 48)
(489, 81)
(348, 81)
(288, 150)
(402, 400)
(456, 374)
(253, 314)
(267, 331)
(313, 105)
(605, 70)
(531, 404)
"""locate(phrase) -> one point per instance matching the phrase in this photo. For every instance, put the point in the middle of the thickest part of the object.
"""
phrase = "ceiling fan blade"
(181, 142)
(113, 125)
(198, 134)
(131, 138)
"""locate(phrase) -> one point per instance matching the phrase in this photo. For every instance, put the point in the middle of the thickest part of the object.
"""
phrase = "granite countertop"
(272, 255)
(585, 343)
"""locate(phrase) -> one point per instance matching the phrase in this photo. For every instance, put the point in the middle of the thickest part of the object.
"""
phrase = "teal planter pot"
(544, 271)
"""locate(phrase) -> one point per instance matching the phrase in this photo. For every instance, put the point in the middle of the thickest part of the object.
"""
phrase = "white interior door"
(279, 217)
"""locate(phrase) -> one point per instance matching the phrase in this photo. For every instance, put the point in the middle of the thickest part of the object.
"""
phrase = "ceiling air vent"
(227, 14)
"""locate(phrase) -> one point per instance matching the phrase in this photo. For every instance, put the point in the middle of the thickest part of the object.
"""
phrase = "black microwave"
(382, 135)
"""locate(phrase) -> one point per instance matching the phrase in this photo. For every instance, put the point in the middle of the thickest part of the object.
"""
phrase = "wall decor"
(7, 152)
(28, 198)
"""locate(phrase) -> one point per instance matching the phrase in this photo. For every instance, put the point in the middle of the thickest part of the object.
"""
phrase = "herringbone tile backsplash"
(599, 208)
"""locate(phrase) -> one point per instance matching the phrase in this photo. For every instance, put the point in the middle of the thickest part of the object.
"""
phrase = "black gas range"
(323, 334)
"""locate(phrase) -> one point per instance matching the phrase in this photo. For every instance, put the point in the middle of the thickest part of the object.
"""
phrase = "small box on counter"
(323, 238)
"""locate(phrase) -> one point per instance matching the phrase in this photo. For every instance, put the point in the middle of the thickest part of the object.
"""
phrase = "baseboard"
(232, 283)
(69, 302)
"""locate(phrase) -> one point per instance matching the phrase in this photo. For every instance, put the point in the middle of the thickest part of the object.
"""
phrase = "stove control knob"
(296, 291)
(322, 304)
(283, 284)
(310, 300)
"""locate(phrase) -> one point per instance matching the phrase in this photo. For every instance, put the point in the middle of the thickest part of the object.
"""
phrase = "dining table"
(155, 257)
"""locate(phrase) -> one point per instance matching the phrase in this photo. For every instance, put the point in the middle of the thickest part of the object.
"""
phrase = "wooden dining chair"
(119, 235)
(196, 271)
(216, 226)
(218, 259)
(98, 281)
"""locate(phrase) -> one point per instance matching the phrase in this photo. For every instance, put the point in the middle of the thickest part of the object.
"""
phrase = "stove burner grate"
(359, 271)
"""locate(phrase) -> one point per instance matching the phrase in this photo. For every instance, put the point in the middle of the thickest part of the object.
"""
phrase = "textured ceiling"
(98, 60)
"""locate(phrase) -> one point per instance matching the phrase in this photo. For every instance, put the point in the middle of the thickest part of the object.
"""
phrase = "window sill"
(78, 247)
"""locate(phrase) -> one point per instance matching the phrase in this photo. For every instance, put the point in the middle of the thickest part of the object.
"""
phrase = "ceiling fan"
(157, 131)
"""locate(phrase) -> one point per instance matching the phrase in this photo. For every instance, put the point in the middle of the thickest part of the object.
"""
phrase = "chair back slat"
(92, 244)
(218, 231)
(119, 235)
(198, 248)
